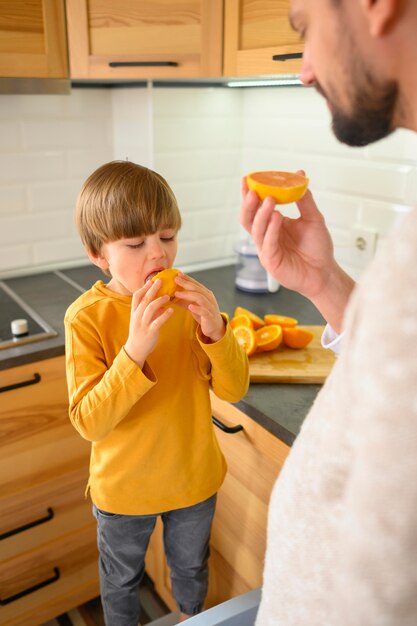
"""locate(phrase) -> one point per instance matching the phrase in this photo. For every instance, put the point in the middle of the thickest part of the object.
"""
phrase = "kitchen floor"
(91, 613)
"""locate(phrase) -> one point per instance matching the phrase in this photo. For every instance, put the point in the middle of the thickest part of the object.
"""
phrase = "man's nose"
(307, 76)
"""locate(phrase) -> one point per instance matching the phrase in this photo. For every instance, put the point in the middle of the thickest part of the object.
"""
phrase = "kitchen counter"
(280, 408)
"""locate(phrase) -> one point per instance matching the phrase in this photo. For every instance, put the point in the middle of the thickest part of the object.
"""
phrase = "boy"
(139, 374)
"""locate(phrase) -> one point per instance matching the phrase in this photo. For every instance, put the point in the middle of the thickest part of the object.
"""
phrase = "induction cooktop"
(28, 326)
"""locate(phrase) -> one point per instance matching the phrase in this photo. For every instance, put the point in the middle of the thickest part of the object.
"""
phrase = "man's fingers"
(249, 208)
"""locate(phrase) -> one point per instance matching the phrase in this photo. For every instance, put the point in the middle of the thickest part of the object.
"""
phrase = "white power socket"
(363, 240)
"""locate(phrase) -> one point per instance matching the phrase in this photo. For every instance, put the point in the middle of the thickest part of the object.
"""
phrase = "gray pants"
(122, 543)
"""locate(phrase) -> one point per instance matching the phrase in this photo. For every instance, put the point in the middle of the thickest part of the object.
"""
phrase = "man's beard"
(371, 116)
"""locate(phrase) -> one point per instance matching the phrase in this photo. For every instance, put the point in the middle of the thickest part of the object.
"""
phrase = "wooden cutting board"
(286, 365)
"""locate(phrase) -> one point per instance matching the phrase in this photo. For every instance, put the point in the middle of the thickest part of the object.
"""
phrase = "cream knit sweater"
(342, 535)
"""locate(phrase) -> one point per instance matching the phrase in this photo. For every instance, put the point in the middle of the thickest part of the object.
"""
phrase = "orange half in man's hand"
(283, 187)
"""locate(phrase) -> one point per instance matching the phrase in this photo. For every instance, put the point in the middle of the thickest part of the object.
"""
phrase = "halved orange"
(169, 286)
(296, 337)
(268, 338)
(281, 320)
(246, 338)
(241, 320)
(284, 187)
(257, 322)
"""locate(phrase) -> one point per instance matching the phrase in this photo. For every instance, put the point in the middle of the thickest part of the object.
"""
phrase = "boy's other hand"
(202, 304)
(147, 315)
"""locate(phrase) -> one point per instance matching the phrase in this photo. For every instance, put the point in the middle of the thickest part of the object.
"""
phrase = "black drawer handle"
(25, 383)
(287, 57)
(21, 529)
(230, 430)
(26, 592)
(143, 64)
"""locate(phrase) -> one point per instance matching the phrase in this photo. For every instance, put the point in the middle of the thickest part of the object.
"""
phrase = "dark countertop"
(280, 408)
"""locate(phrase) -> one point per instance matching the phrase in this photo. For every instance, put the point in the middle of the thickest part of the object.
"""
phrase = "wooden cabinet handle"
(21, 529)
(143, 64)
(32, 381)
(230, 430)
(287, 57)
(26, 592)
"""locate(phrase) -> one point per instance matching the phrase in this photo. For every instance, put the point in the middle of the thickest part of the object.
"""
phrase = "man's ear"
(381, 15)
(98, 260)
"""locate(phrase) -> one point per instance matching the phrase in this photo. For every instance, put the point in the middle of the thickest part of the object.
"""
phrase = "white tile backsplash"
(203, 140)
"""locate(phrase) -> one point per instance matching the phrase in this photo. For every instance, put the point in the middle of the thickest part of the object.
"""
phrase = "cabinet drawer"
(50, 580)
(36, 435)
(46, 511)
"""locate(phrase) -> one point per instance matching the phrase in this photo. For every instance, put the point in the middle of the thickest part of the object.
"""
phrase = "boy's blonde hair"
(122, 200)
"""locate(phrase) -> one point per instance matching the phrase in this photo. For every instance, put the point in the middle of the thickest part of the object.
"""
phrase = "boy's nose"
(156, 250)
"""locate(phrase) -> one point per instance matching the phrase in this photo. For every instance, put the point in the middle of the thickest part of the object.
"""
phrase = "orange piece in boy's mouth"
(169, 286)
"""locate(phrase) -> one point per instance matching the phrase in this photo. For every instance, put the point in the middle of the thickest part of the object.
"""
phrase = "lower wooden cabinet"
(254, 458)
(47, 532)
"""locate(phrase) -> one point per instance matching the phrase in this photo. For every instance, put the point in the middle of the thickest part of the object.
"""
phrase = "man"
(342, 535)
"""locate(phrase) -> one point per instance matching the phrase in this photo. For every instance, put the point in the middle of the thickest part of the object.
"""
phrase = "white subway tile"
(208, 164)
(220, 133)
(340, 211)
(56, 250)
(14, 256)
(205, 102)
(82, 163)
(13, 199)
(64, 134)
(400, 146)
(383, 217)
(61, 194)
(200, 194)
(10, 139)
(31, 228)
(31, 166)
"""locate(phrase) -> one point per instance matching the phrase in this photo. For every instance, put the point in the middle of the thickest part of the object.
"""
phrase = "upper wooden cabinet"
(255, 31)
(155, 39)
(33, 40)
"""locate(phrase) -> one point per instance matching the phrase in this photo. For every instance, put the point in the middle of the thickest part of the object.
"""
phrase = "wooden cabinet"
(47, 531)
(145, 40)
(254, 458)
(255, 31)
(33, 40)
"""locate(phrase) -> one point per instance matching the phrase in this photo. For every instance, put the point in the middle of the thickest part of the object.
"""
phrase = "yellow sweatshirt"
(153, 444)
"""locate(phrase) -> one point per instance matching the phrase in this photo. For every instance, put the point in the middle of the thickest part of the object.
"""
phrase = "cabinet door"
(254, 458)
(123, 39)
(33, 39)
(255, 31)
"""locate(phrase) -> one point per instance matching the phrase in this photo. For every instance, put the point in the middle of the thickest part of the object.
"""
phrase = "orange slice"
(268, 338)
(241, 320)
(246, 338)
(169, 286)
(257, 322)
(296, 337)
(284, 187)
(281, 320)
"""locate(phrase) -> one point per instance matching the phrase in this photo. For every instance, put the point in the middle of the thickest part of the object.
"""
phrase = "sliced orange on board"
(169, 286)
(268, 338)
(246, 337)
(281, 320)
(257, 322)
(241, 320)
(296, 337)
(283, 187)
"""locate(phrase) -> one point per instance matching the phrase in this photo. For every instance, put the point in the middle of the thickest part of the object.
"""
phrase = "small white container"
(250, 275)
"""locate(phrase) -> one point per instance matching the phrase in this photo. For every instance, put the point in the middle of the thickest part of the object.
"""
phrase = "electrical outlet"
(363, 240)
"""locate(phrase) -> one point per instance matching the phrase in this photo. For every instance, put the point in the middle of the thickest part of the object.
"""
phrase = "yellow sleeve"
(100, 396)
(229, 366)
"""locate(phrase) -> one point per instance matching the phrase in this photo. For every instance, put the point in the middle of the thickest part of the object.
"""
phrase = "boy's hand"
(146, 318)
(202, 304)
